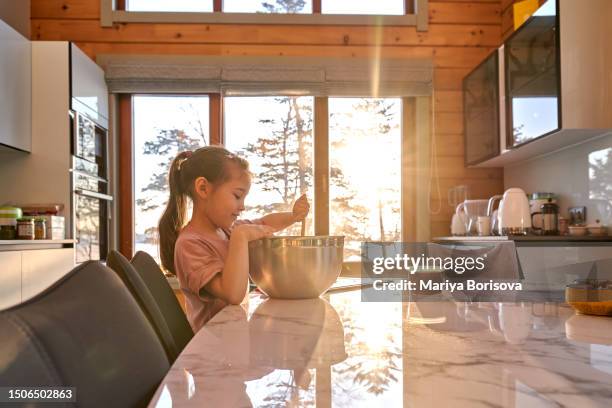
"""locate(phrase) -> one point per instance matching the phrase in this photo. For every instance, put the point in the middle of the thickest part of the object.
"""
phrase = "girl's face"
(226, 201)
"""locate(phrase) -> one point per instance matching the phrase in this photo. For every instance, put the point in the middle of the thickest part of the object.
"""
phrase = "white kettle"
(514, 215)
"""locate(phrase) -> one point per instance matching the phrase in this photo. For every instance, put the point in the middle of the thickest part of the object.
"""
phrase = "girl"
(210, 255)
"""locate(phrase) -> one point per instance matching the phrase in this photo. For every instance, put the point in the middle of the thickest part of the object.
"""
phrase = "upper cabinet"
(15, 89)
(482, 111)
(532, 79)
(89, 93)
(555, 85)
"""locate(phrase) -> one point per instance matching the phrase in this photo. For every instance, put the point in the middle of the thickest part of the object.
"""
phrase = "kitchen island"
(340, 351)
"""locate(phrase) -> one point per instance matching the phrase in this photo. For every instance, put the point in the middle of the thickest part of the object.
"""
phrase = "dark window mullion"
(215, 119)
(321, 166)
(217, 5)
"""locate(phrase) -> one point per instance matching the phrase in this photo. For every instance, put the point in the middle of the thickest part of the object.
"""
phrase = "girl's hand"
(301, 208)
(251, 232)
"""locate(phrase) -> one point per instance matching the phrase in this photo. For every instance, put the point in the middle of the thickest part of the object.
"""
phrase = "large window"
(365, 166)
(306, 12)
(389, 7)
(163, 126)
(275, 135)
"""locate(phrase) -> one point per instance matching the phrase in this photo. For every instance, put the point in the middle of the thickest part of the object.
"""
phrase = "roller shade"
(268, 75)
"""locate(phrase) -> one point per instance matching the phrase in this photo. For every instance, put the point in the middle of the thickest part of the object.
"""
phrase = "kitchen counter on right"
(520, 240)
(547, 263)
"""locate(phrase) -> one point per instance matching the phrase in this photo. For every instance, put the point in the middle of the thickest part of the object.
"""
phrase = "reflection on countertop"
(341, 351)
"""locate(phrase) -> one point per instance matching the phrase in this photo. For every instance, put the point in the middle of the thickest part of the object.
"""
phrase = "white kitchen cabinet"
(41, 268)
(89, 93)
(15, 89)
(47, 167)
(10, 278)
(24, 273)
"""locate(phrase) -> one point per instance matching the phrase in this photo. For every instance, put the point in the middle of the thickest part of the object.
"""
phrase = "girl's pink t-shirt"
(197, 259)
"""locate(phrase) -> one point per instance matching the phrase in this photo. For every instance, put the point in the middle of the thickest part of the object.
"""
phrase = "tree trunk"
(301, 134)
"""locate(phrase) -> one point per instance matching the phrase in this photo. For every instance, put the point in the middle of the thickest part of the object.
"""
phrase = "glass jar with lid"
(40, 228)
(8, 232)
(25, 228)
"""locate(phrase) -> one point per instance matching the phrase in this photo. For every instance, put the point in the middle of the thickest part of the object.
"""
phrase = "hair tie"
(186, 155)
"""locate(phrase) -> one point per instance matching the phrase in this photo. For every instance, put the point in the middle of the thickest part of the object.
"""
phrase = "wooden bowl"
(590, 297)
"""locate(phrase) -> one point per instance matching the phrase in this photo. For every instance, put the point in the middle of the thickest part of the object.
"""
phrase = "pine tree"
(284, 155)
(284, 6)
(600, 174)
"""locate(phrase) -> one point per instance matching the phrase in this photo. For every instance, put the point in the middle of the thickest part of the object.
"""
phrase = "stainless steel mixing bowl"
(295, 267)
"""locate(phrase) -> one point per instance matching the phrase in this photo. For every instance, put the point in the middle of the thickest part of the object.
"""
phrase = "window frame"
(416, 16)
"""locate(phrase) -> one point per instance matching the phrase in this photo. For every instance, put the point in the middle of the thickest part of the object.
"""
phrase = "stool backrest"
(86, 331)
(158, 285)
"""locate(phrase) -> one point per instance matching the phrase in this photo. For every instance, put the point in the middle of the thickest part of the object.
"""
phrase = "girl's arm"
(231, 284)
(282, 220)
(279, 220)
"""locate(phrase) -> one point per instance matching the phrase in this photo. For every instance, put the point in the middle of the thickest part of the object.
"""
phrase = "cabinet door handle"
(93, 194)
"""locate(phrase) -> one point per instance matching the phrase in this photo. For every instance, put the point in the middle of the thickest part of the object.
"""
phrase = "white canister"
(484, 226)
(458, 225)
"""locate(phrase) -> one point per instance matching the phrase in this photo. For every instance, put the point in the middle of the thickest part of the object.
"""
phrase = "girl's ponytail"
(174, 216)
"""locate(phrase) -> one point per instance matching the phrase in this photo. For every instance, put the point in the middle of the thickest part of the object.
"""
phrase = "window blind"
(268, 75)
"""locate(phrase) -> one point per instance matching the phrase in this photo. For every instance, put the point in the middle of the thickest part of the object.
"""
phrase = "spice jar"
(40, 228)
(25, 228)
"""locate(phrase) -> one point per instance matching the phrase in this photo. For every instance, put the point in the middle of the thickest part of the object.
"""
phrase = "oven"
(89, 141)
(91, 201)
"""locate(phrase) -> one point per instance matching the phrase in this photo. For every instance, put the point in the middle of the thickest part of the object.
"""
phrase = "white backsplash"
(580, 176)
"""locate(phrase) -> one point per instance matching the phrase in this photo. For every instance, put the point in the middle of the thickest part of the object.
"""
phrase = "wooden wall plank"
(464, 13)
(507, 22)
(449, 79)
(437, 35)
(449, 122)
(445, 57)
(448, 101)
(449, 145)
(65, 9)
(505, 4)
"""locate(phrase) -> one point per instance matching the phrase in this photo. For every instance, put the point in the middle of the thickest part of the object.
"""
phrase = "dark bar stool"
(87, 332)
(145, 299)
(154, 278)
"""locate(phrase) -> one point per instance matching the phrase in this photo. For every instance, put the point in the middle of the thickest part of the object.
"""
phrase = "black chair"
(86, 331)
(154, 278)
(143, 296)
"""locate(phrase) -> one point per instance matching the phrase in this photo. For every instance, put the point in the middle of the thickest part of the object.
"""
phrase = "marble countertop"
(35, 241)
(527, 238)
(34, 244)
(339, 351)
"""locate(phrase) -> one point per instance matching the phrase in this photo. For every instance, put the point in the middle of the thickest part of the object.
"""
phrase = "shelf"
(545, 145)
